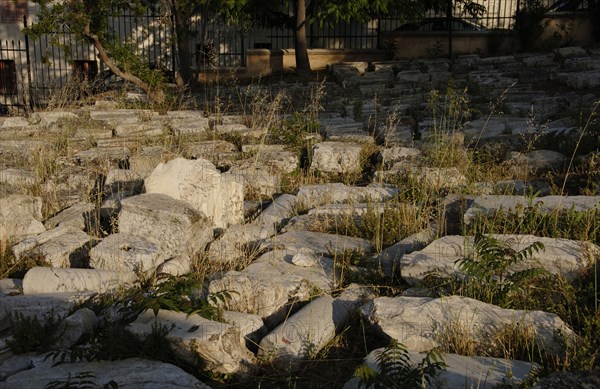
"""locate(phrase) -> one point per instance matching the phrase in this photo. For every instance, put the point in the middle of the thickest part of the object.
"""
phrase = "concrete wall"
(559, 31)
(261, 62)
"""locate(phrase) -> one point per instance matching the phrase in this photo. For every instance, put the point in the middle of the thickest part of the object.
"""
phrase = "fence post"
(29, 98)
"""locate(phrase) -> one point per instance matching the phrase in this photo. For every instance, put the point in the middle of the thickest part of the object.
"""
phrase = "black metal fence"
(30, 70)
(14, 75)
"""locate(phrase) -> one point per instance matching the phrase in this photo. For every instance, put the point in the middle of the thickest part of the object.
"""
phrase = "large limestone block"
(174, 225)
(463, 372)
(420, 323)
(559, 256)
(272, 284)
(55, 280)
(492, 203)
(63, 246)
(305, 333)
(536, 161)
(218, 196)
(125, 252)
(20, 218)
(220, 346)
(134, 373)
(337, 157)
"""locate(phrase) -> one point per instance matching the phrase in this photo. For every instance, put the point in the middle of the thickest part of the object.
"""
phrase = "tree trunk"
(184, 74)
(301, 45)
(155, 94)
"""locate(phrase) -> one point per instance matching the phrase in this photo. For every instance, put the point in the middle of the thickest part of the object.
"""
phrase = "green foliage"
(397, 371)
(295, 131)
(115, 342)
(82, 380)
(29, 334)
(488, 275)
(183, 294)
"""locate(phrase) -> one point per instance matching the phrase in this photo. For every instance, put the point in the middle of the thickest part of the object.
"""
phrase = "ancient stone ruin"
(249, 239)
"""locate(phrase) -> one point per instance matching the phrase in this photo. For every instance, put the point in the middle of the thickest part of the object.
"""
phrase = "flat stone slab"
(311, 196)
(127, 373)
(516, 204)
(125, 252)
(420, 322)
(318, 243)
(559, 256)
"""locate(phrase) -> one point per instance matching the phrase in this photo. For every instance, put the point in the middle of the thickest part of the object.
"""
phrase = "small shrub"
(29, 334)
(397, 371)
(488, 277)
(82, 380)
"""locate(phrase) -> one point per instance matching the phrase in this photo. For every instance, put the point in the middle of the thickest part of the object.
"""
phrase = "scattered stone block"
(419, 322)
(174, 225)
(490, 204)
(310, 196)
(81, 216)
(320, 243)
(20, 218)
(125, 252)
(462, 371)
(309, 330)
(251, 327)
(274, 157)
(280, 210)
(220, 346)
(42, 280)
(74, 327)
(559, 256)
(63, 246)
(38, 306)
(49, 118)
(219, 196)
(271, 285)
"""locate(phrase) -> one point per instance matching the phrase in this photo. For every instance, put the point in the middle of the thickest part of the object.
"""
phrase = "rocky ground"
(294, 234)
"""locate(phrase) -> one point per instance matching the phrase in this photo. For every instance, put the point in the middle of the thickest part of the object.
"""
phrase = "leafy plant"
(488, 275)
(28, 333)
(82, 380)
(116, 342)
(395, 369)
(183, 294)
